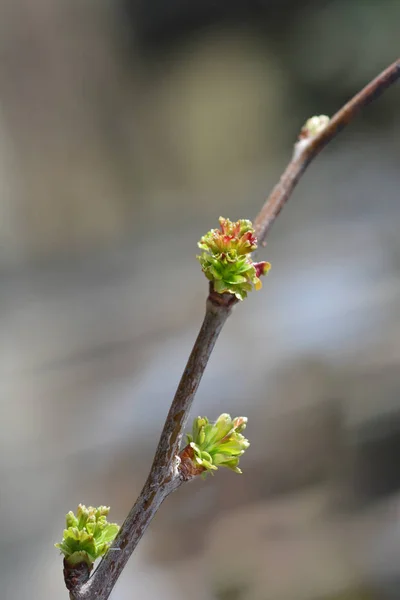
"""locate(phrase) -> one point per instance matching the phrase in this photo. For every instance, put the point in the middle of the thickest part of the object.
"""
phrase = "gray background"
(126, 129)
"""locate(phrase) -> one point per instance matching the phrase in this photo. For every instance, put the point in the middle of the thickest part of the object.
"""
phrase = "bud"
(313, 126)
(213, 445)
(226, 260)
(88, 535)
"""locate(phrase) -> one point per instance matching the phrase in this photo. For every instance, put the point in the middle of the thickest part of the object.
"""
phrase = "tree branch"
(166, 473)
(295, 169)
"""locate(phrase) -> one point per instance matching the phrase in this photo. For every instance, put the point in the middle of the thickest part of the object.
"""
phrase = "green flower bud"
(313, 126)
(88, 535)
(213, 445)
(226, 260)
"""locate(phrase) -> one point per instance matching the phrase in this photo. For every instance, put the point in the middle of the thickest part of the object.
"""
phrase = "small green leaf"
(109, 532)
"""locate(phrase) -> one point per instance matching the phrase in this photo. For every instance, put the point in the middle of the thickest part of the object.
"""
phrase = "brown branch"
(165, 475)
(295, 169)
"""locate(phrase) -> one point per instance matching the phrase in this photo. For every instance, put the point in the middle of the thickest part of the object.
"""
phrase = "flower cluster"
(88, 535)
(219, 444)
(226, 260)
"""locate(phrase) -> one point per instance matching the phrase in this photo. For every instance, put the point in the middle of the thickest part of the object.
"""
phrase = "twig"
(165, 475)
(284, 188)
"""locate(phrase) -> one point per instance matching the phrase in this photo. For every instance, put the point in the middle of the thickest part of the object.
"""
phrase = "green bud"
(88, 535)
(71, 519)
(219, 444)
(226, 260)
(313, 126)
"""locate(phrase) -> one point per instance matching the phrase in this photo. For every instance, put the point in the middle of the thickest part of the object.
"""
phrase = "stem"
(295, 169)
(101, 584)
(164, 477)
(217, 312)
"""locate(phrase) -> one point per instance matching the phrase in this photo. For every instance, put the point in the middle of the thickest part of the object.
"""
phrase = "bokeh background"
(126, 128)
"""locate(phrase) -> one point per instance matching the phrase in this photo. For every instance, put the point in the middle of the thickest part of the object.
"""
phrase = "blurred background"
(126, 128)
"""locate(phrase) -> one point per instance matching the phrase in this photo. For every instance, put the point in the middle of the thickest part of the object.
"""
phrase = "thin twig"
(295, 169)
(165, 475)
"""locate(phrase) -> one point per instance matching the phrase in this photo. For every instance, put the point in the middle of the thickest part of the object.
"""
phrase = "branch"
(295, 169)
(169, 471)
(164, 477)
